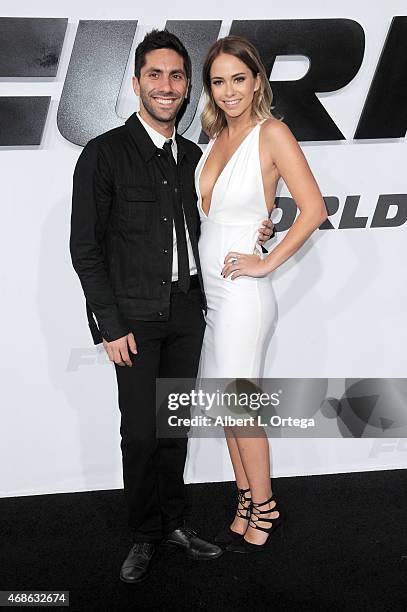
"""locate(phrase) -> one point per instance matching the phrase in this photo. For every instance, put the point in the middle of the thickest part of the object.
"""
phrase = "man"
(134, 231)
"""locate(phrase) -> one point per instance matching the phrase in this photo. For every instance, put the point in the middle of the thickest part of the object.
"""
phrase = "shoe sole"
(135, 581)
(195, 558)
(191, 555)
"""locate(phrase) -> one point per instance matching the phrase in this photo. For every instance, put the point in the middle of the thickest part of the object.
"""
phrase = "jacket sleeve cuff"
(116, 329)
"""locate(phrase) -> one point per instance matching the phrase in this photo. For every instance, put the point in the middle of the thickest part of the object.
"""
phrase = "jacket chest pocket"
(137, 204)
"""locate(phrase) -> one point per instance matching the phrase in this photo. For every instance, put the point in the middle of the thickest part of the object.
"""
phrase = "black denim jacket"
(121, 226)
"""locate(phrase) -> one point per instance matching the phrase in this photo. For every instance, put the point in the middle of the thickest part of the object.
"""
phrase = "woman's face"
(232, 84)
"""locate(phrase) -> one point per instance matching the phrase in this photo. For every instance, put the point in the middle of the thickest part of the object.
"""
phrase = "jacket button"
(158, 154)
(164, 182)
(160, 313)
(176, 189)
(164, 219)
(165, 251)
(163, 282)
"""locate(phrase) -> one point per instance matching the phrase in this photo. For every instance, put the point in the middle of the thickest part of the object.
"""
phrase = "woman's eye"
(216, 82)
(239, 79)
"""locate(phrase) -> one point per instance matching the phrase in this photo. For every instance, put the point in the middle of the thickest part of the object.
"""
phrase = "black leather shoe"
(137, 563)
(187, 539)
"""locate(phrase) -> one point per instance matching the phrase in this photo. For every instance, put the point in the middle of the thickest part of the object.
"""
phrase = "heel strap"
(242, 494)
(241, 500)
(255, 515)
(268, 501)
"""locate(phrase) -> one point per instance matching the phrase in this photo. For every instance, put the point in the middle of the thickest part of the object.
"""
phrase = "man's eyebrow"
(176, 70)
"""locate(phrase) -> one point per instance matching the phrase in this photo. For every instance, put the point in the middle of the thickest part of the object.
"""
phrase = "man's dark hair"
(160, 39)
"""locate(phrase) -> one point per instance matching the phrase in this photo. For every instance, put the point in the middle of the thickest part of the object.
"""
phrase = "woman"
(236, 182)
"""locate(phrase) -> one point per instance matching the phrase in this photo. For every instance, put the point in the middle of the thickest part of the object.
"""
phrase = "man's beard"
(151, 111)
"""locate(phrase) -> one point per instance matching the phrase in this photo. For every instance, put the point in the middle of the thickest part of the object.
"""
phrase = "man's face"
(162, 85)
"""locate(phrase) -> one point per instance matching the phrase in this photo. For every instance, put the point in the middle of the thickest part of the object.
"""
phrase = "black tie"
(183, 263)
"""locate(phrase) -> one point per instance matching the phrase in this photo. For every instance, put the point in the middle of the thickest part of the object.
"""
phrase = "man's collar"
(154, 134)
(143, 141)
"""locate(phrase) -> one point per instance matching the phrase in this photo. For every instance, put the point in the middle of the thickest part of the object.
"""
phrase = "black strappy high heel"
(242, 545)
(227, 535)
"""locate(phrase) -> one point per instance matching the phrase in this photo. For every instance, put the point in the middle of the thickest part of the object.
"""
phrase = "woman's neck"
(236, 125)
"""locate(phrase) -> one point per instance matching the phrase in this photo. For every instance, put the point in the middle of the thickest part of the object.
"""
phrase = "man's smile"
(164, 101)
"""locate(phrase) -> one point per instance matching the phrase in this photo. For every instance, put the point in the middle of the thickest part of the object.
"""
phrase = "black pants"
(153, 467)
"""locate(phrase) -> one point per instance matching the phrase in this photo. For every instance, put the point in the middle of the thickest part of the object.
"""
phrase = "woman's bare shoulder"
(276, 130)
(277, 137)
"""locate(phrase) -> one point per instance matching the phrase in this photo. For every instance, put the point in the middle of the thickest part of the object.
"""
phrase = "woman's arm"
(282, 148)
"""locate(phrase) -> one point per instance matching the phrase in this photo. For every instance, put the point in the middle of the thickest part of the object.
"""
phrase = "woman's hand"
(242, 264)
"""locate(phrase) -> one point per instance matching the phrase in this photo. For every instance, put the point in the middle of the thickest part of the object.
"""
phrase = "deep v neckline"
(221, 172)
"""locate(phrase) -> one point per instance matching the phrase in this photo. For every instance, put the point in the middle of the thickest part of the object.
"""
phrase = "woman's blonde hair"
(213, 118)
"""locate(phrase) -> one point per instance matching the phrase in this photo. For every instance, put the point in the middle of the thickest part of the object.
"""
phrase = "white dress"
(241, 312)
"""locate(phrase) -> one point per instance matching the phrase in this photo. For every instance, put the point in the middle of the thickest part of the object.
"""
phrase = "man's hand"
(266, 231)
(117, 350)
